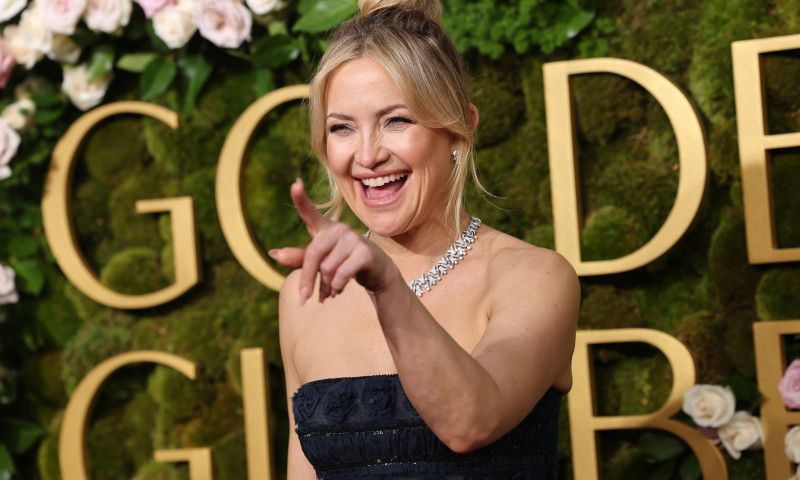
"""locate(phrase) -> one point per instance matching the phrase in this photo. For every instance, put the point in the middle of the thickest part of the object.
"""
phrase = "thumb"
(288, 257)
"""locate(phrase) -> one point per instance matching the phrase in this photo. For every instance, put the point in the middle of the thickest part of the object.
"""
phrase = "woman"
(465, 380)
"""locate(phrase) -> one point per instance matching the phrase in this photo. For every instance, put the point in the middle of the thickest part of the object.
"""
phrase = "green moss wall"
(703, 291)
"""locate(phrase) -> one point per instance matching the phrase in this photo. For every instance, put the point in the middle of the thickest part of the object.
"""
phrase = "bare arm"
(297, 464)
(469, 399)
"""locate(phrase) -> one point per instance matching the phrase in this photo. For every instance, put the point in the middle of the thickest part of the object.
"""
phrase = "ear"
(473, 110)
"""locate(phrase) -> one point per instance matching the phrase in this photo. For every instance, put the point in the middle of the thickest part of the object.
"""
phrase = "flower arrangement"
(789, 388)
(713, 410)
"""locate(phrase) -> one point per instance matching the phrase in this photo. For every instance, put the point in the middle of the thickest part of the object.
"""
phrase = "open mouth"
(384, 189)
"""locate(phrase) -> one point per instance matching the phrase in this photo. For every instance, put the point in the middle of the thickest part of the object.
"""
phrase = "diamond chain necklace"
(454, 254)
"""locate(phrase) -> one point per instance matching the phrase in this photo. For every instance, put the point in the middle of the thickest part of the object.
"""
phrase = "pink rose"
(150, 7)
(226, 23)
(62, 16)
(789, 386)
(7, 62)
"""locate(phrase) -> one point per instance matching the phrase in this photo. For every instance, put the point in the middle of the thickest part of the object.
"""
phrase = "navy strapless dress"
(365, 427)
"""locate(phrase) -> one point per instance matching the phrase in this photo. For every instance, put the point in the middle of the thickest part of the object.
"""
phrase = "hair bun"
(432, 9)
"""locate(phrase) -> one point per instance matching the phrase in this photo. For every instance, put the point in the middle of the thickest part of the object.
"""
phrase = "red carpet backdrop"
(146, 153)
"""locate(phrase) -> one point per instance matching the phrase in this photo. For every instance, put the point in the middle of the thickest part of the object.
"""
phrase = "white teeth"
(380, 181)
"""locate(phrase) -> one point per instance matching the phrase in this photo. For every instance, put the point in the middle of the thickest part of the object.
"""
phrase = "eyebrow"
(380, 113)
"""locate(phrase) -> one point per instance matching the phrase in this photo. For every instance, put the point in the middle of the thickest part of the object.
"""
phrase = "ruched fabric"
(365, 427)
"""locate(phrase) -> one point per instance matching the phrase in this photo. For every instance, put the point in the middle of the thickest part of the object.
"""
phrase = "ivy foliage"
(492, 26)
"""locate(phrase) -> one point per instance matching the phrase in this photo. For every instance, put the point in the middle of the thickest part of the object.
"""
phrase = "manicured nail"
(303, 295)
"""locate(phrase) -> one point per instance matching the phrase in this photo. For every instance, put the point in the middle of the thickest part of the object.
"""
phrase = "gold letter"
(564, 165)
(72, 441)
(229, 192)
(57, 216)
(584, 422)
(200, 465)
(257, 411)
(754, 145)
(770, 365)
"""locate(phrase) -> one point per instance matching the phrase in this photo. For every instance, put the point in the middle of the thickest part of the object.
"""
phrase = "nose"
(371, 152)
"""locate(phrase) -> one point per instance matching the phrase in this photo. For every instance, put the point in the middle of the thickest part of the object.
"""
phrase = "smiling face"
(392, 171)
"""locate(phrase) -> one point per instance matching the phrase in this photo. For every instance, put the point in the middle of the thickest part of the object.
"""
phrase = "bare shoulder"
(522, 272)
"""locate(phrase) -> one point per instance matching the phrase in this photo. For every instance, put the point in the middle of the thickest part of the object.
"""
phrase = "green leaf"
(689, 469)
(196, 70)
(572, 19)
(18, 435)
(6, 462)
(277, 28)
(658, 447)
(274, 51)
(31, 278)
(157, 77)
(324, 15)
(47, 99)
(664, 470)
(48, 116)
(101, 62)
(305, 6)
(135, 62)
(22, 246)
(264, 82)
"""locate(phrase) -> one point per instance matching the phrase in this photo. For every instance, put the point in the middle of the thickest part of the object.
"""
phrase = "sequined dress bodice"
(365, 427)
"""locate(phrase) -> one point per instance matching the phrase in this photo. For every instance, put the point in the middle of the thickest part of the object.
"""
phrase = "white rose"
(61, 16)
(17, 47)
(19, 115)
(34, 32)
(8, 290)
(709, 405)
(743, 432)
(81, 93)
(9, 8)
(262, 7)
(9, 142)
(174, 26)
(226, 23)
(792, 442)
(64, 49)
(107, 15)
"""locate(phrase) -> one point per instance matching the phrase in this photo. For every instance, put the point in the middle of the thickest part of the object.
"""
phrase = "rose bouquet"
(713, 410)
(789, 388)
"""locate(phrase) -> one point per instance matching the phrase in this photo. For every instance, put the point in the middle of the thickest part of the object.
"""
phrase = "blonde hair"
(405, 38)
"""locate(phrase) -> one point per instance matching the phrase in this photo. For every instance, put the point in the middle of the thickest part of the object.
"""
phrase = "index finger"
(313, 219)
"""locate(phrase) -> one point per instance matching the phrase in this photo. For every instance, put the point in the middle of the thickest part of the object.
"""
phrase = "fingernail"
(303, 295)
(273, 252)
